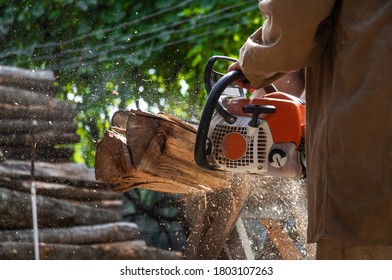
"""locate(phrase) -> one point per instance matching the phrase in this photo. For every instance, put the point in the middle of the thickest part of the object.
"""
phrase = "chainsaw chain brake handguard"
(214, 93)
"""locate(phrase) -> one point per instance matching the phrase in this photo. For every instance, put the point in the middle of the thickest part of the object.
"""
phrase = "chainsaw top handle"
(214, 93)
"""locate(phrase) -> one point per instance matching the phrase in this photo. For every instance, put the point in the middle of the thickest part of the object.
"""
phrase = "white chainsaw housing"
(262, 155)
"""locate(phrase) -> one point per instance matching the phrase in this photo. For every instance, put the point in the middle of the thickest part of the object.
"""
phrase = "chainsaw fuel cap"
(234, 146)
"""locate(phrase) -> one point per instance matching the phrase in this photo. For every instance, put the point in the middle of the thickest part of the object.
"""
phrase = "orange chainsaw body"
(287, 125)
(264, 136)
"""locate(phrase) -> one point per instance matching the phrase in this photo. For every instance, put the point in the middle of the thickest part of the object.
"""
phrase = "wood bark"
(15, 212)
(54, 110)
(43, 153)
(60, 191)
(17, 96)
(131, 250)
(25, 126)
(43, 138)
(101, 233)
(213, 218)
(71, 173)
(281, 240)
(33, 80)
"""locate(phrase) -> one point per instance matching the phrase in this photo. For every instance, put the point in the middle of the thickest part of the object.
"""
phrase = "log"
(281, 240)
(45, 171)
(15, 212)
(54, 110)
(132, 250)
(156, 152)
(33, 80)
(25, 126)
(17, 96)
(102, 233)
(43, 153)
(60, 191)
(45, 138)
(115, 205)
(213, 218)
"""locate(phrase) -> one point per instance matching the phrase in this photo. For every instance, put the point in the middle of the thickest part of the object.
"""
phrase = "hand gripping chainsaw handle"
(202, 149)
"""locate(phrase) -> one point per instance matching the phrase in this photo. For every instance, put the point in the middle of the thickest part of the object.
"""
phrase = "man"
(346, 48)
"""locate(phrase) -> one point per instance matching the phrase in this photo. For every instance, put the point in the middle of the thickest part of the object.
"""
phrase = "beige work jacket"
(346, 49)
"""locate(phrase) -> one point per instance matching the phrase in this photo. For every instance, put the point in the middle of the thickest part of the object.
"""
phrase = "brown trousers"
(333, 249)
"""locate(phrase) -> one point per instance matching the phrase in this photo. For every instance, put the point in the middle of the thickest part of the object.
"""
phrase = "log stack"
(78, 218)
(28, 110)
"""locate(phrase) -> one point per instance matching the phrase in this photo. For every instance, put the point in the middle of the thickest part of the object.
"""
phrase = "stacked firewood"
(78, 217)
(30, 114)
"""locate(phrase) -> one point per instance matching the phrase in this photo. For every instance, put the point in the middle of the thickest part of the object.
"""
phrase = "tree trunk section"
(101, 233)
(131, 250)
(32, 80)
(54, 110)
(60, 191)
(15, 212)
(25, 126)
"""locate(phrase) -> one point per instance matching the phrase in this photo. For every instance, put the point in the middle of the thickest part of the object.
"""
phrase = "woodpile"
(78, 217)
(29, 110)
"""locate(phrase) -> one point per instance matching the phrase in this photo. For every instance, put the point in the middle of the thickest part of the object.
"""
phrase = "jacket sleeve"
(292, 37)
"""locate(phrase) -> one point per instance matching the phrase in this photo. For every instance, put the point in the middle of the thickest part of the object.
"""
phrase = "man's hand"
(241, 83)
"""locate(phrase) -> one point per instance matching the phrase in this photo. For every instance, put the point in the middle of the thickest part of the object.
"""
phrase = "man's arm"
(291, 38)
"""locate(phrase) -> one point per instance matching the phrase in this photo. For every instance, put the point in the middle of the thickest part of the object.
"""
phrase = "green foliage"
(150, 52)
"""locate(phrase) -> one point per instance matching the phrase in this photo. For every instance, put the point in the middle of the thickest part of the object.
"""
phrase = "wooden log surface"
(43, 153)
(213, 217)
(42, 137)
(32, 80)
(281, 240)
(15, 212)
(60, 191)
(45, 170)
(17, 96)
(131, 250)
(8, 126)
(54, 110)
(94, 234)
(155, 152)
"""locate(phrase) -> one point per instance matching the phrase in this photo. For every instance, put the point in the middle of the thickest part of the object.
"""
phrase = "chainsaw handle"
(208, 70)
(200, 153)
(212, 103)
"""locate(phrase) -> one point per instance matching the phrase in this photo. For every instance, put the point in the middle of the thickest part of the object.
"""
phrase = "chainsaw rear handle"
(208, 72)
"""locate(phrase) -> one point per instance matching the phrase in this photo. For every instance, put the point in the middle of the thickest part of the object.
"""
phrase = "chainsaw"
(237, 133)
